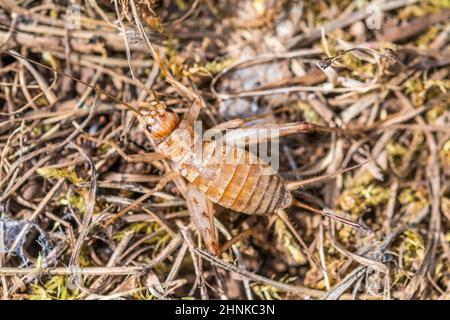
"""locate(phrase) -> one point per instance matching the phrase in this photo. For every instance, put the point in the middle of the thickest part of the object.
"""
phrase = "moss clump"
(56, 288)
(414, 249)
(423, 90)
(415, 200)
(58, 173)
(308, 112)
(360, 198)
(146, 228)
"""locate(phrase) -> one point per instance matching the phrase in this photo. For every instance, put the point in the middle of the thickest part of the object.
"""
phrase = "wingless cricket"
(226, 174)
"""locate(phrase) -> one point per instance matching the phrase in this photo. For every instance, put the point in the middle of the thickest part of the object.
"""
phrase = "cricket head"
(160, 120)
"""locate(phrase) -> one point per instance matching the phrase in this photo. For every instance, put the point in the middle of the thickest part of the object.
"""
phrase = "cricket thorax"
(179, 144)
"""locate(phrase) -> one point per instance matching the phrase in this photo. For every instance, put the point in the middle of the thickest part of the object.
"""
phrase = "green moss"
(414, 252)
(75, 200)
(139, 227)
(444, 154)
(308, 112)
(416, 199)
(58, 173)
(54, 289)
(422, 91)
(359, 198)
(422, 8)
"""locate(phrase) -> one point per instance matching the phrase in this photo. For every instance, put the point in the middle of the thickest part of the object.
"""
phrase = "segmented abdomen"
(236, 179)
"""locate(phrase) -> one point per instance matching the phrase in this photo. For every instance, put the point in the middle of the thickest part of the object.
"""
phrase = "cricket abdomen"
(236, 179)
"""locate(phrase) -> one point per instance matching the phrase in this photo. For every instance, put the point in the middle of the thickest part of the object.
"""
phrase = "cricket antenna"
(19, 56)
(292, 185)
(325, 63)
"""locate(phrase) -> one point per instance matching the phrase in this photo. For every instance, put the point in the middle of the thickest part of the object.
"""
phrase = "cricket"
(229, 176)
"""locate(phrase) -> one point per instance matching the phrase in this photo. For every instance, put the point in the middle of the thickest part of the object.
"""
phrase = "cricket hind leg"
(219, 128)
(282, 215)
(292, 185)
(265, 132)
(330, 215)
(202, 214)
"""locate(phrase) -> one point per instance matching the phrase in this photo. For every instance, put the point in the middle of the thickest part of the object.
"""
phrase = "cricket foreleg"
(194, 110)
(161, 184)
(143, 157)
(138, 157)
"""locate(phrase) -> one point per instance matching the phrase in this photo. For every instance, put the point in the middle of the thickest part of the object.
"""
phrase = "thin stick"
(96, 271)
(255, 277)
(86, 271)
